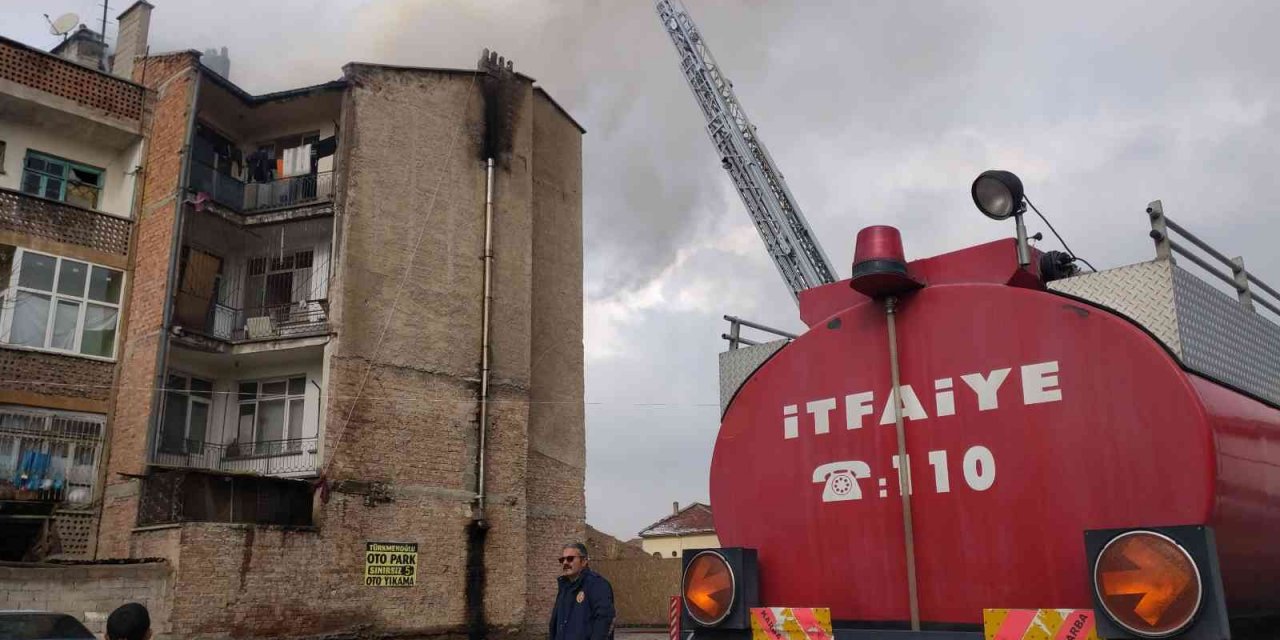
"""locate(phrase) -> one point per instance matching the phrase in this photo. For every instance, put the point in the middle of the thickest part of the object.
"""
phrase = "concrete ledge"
(25, 104)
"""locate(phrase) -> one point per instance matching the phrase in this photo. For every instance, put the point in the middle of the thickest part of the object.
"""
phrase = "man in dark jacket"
(584, 603)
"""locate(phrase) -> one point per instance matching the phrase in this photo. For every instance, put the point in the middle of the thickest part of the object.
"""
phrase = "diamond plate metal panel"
(1142, 292)
(736, 365)
(1223, 340)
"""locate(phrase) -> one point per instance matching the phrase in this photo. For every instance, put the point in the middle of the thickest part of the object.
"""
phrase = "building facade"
(689, 528)
(71, 142)
(349, 316)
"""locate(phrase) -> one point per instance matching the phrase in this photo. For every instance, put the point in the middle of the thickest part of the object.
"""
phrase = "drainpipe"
(484, 339)
(162, 352)
(478, 528)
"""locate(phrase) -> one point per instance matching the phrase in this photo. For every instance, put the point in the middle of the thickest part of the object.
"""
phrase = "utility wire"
(1055, 233)
(404, 278)
(443, 399)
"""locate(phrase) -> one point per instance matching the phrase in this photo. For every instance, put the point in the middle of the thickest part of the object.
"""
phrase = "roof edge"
(677, 514)
(255, 100)
(133, 6)
(564, 112)
(351, 67)
(22, 45)
(683, 534)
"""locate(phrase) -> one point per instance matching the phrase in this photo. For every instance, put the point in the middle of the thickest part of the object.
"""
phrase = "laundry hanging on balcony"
(261, 165)
(324, 148)
(296, 161)
(35, 473)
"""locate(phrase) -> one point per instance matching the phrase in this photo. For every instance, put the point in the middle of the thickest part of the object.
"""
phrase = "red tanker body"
(985, 430)
(1030, 416)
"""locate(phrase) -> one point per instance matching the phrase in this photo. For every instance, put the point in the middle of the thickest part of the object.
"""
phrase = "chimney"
(675, 508)
(131, 38)
(83, 47)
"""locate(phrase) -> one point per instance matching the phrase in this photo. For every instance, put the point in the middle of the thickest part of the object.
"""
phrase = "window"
(60, 304)
(52, 452)
(278, 281)
(186, 414)
(270, 417)
(58, 179)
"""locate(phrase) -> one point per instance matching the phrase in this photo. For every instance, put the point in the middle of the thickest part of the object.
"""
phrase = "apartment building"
(313, 383)
(345, 315)
(71, 143)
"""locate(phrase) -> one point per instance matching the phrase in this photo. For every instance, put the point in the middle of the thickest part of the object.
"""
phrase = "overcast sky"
(878, 112)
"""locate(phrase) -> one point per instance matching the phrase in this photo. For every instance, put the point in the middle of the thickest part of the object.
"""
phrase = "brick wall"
(88, 592)
(174, 77)
(603, 546)
(39, 70)
(642, 588)
(557, 431)
(409, 155)
(53, 374)
(416, 422)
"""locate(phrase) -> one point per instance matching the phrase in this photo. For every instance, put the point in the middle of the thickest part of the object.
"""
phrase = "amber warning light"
(1148, 584)
(708, 588)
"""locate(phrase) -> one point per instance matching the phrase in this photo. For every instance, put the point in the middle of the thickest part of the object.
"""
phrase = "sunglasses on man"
(569, 559)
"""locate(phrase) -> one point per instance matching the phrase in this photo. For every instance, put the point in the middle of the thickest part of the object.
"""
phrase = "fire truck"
(989, 443)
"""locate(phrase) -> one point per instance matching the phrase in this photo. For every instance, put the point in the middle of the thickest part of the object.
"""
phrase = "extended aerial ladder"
(787, 236)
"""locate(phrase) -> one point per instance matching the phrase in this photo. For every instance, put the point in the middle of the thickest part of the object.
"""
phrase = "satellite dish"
(64, 24)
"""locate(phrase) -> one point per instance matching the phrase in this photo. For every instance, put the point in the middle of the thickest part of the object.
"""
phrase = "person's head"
(129, 622)
(573, 559)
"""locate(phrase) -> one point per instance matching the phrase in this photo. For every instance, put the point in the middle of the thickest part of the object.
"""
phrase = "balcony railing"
(288, 192)
(267, 323)
(266, 457)
(62, 222)
(48, 458)
(92, 89)
(260, 196)
(279, 296)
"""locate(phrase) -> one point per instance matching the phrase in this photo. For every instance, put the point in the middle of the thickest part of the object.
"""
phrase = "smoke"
(652, 183)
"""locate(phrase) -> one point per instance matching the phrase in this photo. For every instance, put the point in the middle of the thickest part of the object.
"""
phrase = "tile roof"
(695, 518)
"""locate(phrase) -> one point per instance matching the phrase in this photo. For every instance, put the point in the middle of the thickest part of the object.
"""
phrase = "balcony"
(204, 311)
(242, 284)
(46, 91)
(256, 197)
(48, 456)
(60, 222)
(297, 456)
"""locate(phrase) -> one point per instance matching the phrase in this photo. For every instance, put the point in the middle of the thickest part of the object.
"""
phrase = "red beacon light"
(879, 264)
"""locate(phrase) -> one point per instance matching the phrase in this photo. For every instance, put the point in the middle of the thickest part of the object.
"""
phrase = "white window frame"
(293, 444)
(9, 298)
(192, 399)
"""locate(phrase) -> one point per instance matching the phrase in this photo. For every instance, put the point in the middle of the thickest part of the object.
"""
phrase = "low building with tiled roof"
(687, 528)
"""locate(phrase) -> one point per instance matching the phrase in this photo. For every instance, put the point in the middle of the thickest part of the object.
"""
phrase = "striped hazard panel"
(1039, 624)
(791, 623)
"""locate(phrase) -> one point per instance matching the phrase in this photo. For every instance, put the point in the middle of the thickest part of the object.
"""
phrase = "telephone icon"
(841, 479)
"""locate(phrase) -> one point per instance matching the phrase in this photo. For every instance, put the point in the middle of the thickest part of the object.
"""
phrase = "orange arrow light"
(1147, 583)
(708, 588)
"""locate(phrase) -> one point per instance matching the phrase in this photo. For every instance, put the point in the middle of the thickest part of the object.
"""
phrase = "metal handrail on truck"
(1239, 280)
(735, 330)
